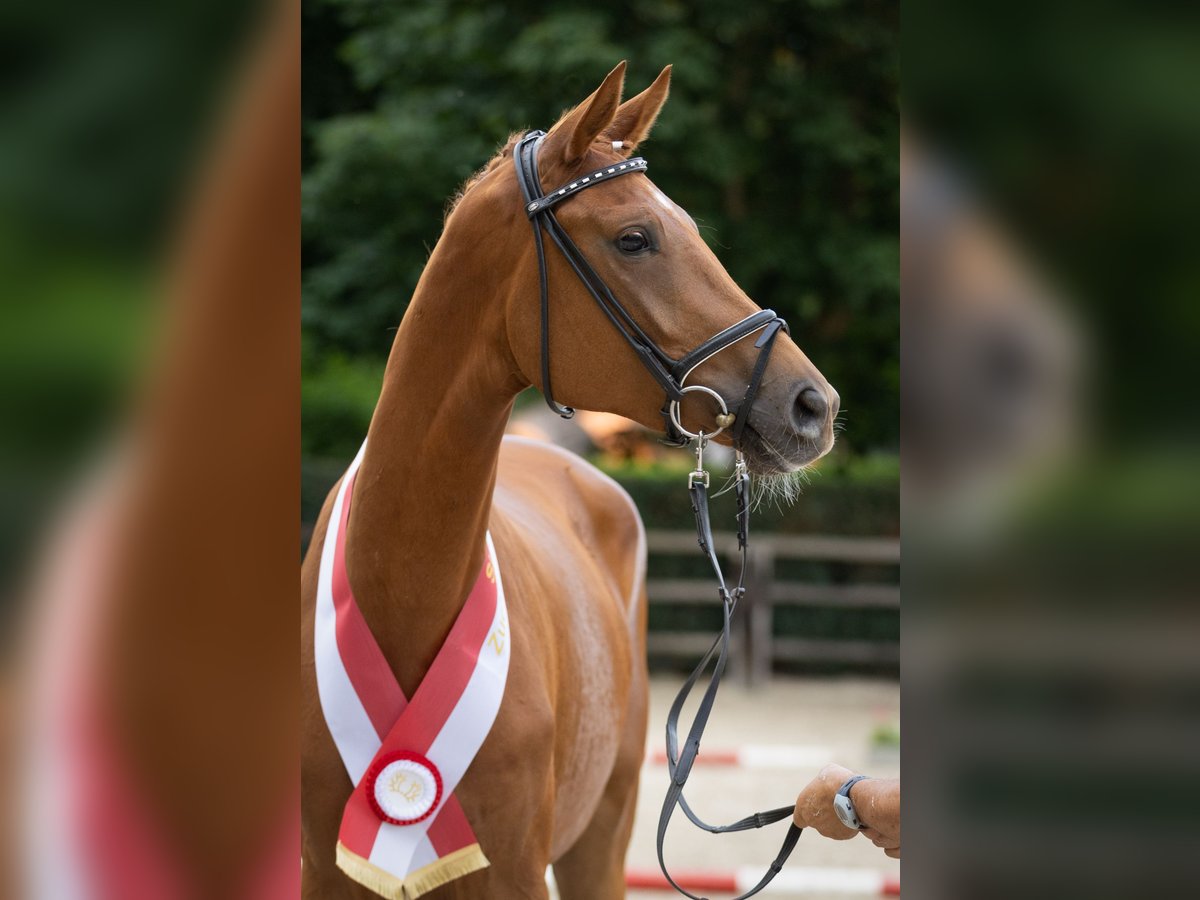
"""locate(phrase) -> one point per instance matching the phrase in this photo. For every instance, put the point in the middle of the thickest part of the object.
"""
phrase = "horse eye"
(633, 241)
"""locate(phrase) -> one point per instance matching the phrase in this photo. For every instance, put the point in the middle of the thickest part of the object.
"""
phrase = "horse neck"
(421, 502)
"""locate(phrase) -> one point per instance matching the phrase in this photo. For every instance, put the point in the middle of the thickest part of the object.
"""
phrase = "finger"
(838, 832)
(807, 815)
(831, 827)
(834, 772)
(879, 839)
(893, 852)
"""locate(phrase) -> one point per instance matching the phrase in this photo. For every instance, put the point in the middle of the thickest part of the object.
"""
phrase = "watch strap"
(847, 804)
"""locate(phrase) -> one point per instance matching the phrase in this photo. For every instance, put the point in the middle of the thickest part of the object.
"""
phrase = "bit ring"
(673, 409)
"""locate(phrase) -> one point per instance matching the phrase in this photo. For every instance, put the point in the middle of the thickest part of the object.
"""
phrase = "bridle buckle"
(700, 475)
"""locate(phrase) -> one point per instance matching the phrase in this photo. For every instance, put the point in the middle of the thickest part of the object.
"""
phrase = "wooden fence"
(755, 646)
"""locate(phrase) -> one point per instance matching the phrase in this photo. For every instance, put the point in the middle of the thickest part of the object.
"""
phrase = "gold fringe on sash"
(441, 871)
(453, 865)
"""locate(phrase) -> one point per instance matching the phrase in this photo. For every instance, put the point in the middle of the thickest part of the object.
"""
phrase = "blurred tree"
(780, 138)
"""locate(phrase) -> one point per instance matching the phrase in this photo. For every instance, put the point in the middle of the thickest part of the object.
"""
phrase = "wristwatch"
(844, 806)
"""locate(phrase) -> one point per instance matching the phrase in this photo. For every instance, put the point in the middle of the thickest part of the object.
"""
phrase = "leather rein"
(671, 375)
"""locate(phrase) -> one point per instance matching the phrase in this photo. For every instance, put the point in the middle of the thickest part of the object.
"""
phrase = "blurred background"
(149, 325)
(781, 139)
(1049, 208)
(104, 124)
(1049, 285)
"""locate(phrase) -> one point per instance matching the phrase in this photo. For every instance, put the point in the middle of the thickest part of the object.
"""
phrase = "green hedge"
(856, 497)
(781, 138)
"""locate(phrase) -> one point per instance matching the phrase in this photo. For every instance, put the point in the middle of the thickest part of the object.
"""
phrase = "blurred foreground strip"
(792, 881)
(1051, 638)
(150, 710)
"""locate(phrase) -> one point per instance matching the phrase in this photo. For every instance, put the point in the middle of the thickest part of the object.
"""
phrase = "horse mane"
(505, 152)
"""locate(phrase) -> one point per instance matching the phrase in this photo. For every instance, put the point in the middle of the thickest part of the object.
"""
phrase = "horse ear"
(575, 131)
(636, 116)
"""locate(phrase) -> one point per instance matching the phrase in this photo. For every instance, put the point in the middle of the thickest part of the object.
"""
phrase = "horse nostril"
(810, 409)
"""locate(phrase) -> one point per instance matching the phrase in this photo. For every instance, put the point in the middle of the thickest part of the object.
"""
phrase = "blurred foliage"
(1087, 147)
(856, 496)
(860, 496)
(104, 111)
(781, 139)
(885, 736)
(337, 397)
(68, 352)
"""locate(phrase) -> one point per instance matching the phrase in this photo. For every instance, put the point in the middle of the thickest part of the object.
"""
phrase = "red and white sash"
(403, 831)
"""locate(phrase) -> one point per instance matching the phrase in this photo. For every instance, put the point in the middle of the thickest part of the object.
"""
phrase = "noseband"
(671, 375)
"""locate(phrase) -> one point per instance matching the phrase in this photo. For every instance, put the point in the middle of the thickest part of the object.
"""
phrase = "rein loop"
(680, 760)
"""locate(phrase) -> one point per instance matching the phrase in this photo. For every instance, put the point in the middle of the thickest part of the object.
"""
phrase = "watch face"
(845, 811)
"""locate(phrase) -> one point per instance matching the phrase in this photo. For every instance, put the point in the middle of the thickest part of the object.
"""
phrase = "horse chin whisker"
(780, 489)
(730, 480)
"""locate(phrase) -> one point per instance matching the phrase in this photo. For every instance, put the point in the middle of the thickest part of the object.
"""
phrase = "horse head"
(648, 253)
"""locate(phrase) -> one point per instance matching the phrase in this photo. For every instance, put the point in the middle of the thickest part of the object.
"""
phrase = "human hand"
(814, 805)
(876, 802)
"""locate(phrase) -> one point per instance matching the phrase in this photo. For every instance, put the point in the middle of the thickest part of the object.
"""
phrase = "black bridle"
(671, 375)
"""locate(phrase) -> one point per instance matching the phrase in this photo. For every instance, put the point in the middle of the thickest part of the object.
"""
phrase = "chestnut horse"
(555, 781)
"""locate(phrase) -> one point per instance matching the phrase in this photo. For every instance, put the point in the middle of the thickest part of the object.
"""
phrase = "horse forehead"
(662, 199)
(638, 190)
(638, 195)
(674, 209)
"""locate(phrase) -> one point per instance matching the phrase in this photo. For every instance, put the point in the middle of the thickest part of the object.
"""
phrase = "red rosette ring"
(403, 787)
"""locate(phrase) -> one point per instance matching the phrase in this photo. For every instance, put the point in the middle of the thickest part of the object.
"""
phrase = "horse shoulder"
(574, 509)
(574, 544)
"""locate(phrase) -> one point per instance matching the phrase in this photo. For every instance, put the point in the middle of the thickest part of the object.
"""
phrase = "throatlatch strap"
(525, 159)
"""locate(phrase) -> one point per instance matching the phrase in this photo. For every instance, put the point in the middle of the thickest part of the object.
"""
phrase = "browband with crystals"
(637, 164)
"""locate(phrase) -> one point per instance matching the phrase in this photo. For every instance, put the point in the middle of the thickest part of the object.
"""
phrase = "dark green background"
(780, 138)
